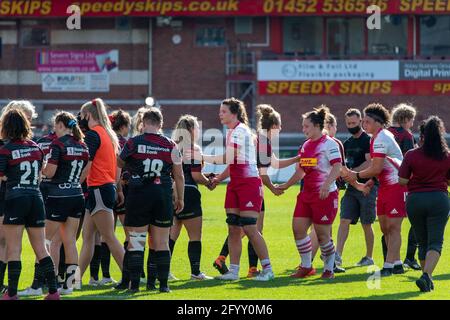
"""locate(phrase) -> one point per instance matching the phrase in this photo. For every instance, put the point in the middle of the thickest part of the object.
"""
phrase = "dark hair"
(237, 107)
(318, 115)
(353, 112)
(119, 119)
(378, 112)
(266, 117)
(434, 144)
(70, 122)
(15, 125)
(153, 116)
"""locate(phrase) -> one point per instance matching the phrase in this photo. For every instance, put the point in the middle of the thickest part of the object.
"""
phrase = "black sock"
(152, 271)
(162, 259)
(95, 262)
(105, 260)
(142, 269)
(385, 249)
(62, 263)
(224, 252)
(48, 269)
(69, 277)
(125, 245)
(38, 280)
(125, 270)
(195, 253)
(252, 256)
(412, 245)
(3, 266)
(14, 269)
(135, 263)
(171, 246)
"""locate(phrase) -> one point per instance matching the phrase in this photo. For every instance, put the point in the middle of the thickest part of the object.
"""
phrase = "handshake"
(350, 177)
(213, 181)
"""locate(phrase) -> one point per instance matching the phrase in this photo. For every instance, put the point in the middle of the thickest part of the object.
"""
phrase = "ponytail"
(266, 117)
(70, 122)
(97, 109)
(318, 116)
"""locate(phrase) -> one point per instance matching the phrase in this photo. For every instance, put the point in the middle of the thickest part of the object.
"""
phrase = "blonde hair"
(186, 123)
(136, 121)
(97, 109)
(23, 105)
(402, 113)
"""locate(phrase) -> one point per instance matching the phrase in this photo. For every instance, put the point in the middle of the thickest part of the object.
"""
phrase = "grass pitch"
(356, 283)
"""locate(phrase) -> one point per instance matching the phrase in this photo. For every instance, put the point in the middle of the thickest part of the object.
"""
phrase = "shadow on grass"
(390, 296)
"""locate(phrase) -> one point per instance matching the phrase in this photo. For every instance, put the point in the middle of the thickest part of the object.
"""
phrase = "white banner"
(350, 70)
(75, 82)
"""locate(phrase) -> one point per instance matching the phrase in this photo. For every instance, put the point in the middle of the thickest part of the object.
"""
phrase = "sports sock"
(69, 278)
(252, 256)
(162, 259)
(125, 245)
(105, 260)
(224, 252)
(48, 269)
(304, 247)
(125, 271)
(151, 267)
(266, 264)
(38, 280)
(171, 246)
(14, 269)
(412, 245)
(94, 267)
(388, 265)
(234, 268)
(195, 253)
(135, 263)
(329, 254)
(62, 263)
(398, 263)
(385, 248)
(3, 266)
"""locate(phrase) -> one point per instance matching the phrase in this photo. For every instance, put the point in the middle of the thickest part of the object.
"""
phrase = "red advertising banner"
(335, 88)
(111, 8)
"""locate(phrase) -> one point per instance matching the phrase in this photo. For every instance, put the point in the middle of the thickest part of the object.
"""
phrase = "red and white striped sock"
(329, 254)
(265, 263)
(304, 247)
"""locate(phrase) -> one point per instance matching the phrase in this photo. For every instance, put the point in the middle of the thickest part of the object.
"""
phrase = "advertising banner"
(75, 82)
(78, 61)
(116, 8)
(347, 77)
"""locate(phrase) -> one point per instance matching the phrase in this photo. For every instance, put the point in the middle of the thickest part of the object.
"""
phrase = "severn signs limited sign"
(351, 77)
(97, 8)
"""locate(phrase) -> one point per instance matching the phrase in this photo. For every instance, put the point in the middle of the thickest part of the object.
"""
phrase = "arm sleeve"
(333, 152)
(405, 168)
(379, 148)
(92, 140)
(55, 154)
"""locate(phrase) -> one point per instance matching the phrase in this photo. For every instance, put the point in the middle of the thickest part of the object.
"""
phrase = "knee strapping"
(244, 221)
(233, 219)
(137, 241)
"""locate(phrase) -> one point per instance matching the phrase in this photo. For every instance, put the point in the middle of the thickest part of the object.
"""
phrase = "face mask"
(354, 130)
(83, 123)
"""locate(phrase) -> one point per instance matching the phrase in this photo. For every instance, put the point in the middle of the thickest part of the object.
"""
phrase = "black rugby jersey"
(71, 157)
(188, 168)
(263, 152)
(149, 158)
(21, 161)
